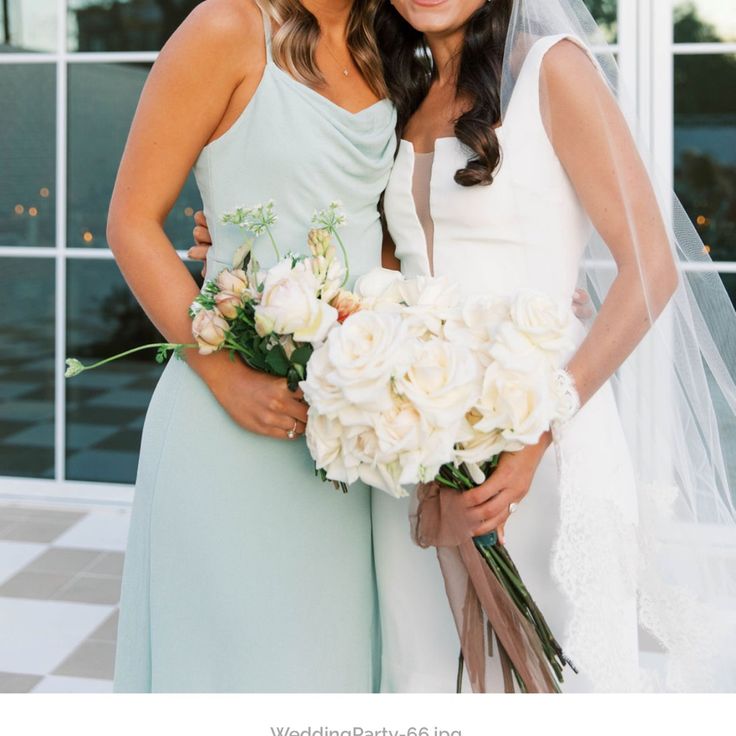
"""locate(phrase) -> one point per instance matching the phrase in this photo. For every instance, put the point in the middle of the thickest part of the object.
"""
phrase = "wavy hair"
(408, 70)
(295, 41)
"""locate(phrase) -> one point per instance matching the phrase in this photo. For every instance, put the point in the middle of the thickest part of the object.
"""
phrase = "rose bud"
(346, 304)
(209, 329)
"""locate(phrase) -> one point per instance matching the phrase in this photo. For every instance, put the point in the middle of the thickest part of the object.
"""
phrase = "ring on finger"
(292, 432)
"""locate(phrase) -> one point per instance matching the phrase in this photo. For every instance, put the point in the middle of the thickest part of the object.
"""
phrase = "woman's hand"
(202, 240)
(260, 402)
(487, 506)
(581, 304)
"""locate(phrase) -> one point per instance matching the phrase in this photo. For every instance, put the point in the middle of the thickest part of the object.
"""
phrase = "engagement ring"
(292, 432)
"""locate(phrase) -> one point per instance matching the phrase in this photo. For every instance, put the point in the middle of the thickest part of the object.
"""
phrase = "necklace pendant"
(345, 72)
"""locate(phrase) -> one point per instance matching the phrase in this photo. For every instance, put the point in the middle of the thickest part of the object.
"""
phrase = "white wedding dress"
(572, 543)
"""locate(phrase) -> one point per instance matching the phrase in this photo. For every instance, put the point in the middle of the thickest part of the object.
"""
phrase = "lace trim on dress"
(599, 558)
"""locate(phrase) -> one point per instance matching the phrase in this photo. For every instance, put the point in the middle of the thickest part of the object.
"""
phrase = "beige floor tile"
(108, 563)
(94, 659)
(64, 560)
(108, 631)
(31, 530)
(12, 683)
(35, 585)
(90, 589)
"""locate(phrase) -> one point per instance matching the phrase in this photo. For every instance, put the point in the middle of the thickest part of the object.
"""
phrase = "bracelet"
(568, 399)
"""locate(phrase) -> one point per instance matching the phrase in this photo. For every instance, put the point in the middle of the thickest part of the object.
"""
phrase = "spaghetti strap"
(266, 32)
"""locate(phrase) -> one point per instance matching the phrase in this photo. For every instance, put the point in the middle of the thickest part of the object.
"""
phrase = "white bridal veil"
(675, 394)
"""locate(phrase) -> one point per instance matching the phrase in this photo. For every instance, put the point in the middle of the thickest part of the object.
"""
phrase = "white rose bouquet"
(421, 387)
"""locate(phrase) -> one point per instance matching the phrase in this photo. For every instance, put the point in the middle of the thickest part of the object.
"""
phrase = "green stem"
(168, 345)
(344, 256)
(273, 243)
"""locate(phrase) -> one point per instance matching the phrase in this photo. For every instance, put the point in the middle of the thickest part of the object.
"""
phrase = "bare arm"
(217, 49)
(594, 144)
(388, 251)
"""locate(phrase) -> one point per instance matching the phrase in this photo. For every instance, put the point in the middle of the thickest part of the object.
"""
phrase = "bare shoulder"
(231, 29)
(567, 61)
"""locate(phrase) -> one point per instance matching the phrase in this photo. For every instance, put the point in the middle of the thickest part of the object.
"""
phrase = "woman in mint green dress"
(244, 572)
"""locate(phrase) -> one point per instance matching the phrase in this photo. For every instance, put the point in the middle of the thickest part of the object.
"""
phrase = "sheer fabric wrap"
(675, 391)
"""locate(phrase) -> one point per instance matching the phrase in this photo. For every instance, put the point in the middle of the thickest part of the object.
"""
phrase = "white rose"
(475, 323)
(379, 285)
(478, 447)
(290, 305)
(519, 405)
(324, 437)
(442, 381)
(514, 351)
(546, 322)
(324, 396)
(430, 301)
(365, 352)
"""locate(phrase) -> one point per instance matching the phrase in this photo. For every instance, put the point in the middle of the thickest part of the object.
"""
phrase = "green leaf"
(277, 361)
(302, 354)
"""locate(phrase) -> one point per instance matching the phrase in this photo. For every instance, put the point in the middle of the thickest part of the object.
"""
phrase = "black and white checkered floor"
(60, 574)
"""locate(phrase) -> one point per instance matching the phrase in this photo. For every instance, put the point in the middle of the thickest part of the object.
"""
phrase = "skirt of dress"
(420, 642)
(244, 572)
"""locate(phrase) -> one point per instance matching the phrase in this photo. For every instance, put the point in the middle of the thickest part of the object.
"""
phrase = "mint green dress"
(244, 572)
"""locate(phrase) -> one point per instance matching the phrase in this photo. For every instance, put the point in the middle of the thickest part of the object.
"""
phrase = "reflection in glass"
(605, 13)
(27, 151)
(102, 101)
(106, 407)
(705, 147)
(27, 367)
(729, 281)
(701, 21)
(27, 25)
(124, 25)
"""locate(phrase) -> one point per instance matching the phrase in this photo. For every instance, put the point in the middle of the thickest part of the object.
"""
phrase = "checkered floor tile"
(105, 413)
(60, 573)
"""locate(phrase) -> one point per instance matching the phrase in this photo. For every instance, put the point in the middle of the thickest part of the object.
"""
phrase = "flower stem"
(167, 345)
(273, 242)
(344, 256)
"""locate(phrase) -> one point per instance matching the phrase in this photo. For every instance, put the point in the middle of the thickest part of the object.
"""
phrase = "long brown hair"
(409, 71)
(295, 41)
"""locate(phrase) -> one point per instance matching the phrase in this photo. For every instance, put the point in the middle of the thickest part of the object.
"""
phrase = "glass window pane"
(106, 407)
(729, 281)
(605, 13)
(27, 367)
(698, 21)
(27, 153)
(124, 25)
(102, 101)
(27, 25)
(705, 147)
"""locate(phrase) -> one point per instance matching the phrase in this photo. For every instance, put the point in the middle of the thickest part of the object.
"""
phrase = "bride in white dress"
(509, 207)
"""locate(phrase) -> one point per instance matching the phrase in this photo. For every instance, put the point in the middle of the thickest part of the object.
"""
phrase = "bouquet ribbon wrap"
(437, 520)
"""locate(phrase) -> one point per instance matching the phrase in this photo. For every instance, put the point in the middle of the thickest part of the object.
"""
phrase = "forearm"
(164, 288)
(627, 314)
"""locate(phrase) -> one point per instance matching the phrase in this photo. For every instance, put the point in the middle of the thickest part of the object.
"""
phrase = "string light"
(44, 192)
(32, 211)
(19, 209)
(706, 249)
(700, 219)
(188, 211)
(87, 236)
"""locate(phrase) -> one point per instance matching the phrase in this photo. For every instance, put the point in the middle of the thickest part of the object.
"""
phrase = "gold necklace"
(329, 50)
